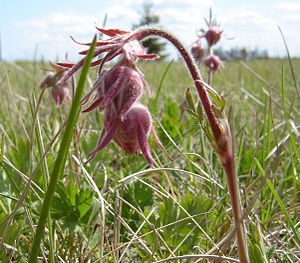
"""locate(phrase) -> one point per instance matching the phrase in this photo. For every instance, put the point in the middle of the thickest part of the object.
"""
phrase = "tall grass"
(115, 209)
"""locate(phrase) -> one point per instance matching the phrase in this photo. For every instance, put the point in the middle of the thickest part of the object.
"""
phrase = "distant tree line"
(237, 53)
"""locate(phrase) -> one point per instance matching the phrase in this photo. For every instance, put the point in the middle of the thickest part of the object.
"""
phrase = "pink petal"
(95, 104)
(66, 65)
(147, 56)
(142, 137)
(104, 141)
(114, 90)
(129, 103)
(112, 32)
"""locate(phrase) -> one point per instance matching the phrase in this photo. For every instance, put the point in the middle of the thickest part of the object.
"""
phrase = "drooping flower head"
(213, 63)
(213, 35)
(206, 55)
(126, 121)
(198, 50)
(58, 92)
(130, 133)
(121, 86)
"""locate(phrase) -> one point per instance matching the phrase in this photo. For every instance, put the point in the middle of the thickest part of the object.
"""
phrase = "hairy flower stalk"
(128, 123)
(221, 132)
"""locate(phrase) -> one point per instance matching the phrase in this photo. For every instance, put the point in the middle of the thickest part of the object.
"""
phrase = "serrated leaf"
(72, 190)
(83, 201)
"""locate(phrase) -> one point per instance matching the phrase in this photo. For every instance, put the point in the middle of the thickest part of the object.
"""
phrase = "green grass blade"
(160, 85)
(285, 212)
(62, 155)
(2, 149)
(286, 114)
(239, 155)
(293, 142)
(290, 61)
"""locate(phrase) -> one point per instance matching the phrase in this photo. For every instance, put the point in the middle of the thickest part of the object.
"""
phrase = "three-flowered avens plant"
(58, 92)
(212, 36)
(128, 122)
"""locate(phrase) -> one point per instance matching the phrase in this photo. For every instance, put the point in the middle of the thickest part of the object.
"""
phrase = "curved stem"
(198, 81)
(222, 135)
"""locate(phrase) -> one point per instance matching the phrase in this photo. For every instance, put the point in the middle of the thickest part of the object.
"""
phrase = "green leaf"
(2, 149)
(200, 112)
(62, 154)
(83, 201)
(215, 96)
(189, 99)
(72, 190)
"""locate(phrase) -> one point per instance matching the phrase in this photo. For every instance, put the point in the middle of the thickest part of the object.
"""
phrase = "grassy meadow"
(116, 209)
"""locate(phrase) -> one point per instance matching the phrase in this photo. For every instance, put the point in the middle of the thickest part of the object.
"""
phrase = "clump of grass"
(115, 209)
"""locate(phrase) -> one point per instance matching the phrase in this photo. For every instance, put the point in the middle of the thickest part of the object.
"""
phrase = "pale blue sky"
(31, 27)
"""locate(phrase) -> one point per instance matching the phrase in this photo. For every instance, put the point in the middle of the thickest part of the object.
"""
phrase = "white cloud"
(123, 13)
(288, 6)
(199, 3)
(250, 25)
(187, 16)
(244, 16)
(60, 22)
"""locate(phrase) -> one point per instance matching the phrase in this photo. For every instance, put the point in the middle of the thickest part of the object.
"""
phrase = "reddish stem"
(145, 32)
(222, 135)
(229, 168)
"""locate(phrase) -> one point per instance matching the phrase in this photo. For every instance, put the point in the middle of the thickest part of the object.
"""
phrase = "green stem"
(62, 155)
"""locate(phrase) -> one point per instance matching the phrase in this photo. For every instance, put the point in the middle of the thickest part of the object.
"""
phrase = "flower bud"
(59, 93)
(198, 50)
(213, 63)
(213, 35)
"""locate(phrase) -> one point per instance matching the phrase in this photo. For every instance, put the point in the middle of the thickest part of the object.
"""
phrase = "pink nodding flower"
(198, 50)
(213, 35)
(213, 63)
(120, 43)
(131, 133)
(126, 121)
(121, 85)
(58, 92)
